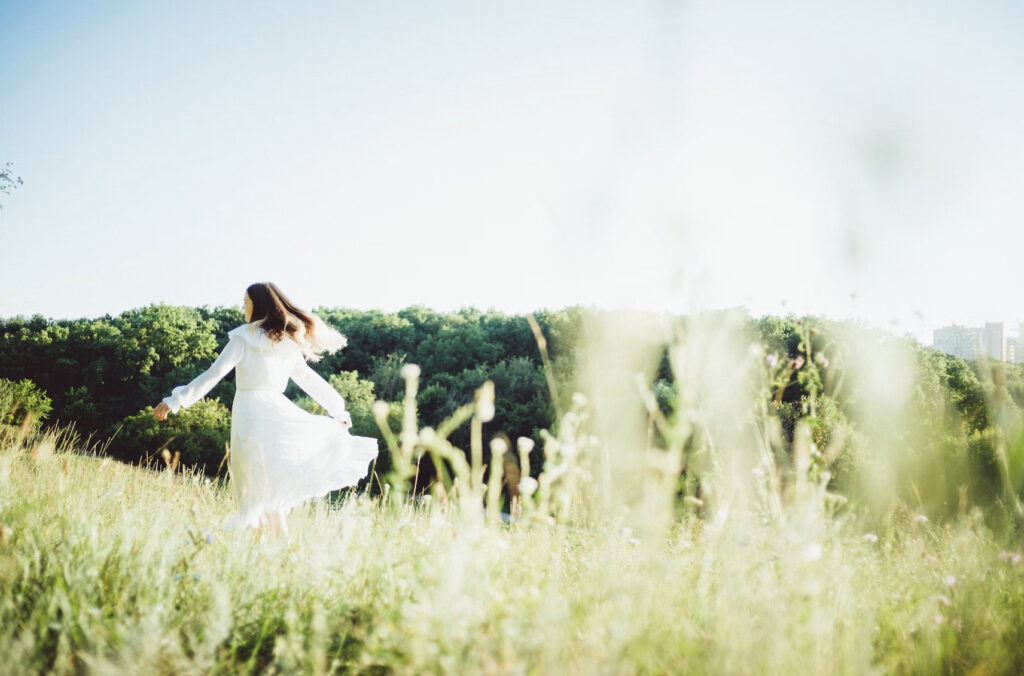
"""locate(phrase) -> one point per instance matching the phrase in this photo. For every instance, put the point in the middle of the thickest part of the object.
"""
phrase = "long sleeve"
(318, 388)
(186, 395)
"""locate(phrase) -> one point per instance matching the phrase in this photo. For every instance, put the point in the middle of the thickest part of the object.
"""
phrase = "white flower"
(950, 580)
(410, 371)
(870, 537)
(485, 402)
(528, 485)
(920, 518)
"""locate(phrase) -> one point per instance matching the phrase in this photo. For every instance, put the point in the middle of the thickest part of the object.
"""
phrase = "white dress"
(280, 454)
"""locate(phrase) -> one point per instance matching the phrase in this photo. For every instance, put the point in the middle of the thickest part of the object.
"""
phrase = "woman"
(280, 454)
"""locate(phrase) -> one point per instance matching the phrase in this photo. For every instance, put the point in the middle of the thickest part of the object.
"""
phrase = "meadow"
(700, 541)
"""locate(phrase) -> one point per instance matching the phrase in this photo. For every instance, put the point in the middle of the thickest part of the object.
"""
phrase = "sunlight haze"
(856, 160)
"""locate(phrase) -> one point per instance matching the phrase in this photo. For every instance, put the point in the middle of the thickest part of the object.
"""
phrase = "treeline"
(105, 374)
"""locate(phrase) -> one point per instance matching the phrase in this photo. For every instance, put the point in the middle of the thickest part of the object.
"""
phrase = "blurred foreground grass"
(111, 569)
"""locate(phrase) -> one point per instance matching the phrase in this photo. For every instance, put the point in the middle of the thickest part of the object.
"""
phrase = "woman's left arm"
(321, 391)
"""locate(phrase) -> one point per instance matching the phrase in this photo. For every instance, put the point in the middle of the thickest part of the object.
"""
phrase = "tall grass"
(697, 542)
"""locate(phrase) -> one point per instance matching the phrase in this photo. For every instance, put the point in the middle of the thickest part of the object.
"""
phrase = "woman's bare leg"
(278, 523)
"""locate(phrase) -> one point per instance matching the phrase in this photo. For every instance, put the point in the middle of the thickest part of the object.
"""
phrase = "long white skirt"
(282, 456)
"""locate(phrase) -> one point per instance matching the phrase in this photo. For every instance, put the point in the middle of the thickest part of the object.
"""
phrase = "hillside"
(110, 568)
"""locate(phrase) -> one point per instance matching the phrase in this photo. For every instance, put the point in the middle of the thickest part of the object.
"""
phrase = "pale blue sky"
(855, 160)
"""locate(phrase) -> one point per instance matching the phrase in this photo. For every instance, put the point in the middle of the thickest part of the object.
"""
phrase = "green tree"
(8, 180)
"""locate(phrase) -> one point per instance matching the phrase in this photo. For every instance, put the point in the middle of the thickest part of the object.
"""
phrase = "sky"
(856, 160)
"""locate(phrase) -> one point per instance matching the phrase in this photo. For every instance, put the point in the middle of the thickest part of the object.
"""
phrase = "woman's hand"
(161, 411)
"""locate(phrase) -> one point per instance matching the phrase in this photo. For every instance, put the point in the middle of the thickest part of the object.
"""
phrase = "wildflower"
(380, 409)
(528, 485)
(772, 360)
(870, 537)
(485, 402)
(410, 371)
(1016, 558)
(920, 518)
(950, 580)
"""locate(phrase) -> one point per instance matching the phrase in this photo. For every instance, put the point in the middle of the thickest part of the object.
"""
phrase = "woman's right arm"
(186, 395)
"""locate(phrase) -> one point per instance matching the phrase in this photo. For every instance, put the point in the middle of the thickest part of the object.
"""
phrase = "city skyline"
(991, 340)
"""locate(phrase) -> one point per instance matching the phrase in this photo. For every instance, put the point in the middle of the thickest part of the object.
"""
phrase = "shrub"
(21, 398)
(199, 433)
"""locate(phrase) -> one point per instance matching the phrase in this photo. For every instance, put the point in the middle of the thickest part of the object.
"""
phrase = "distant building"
(959, 341)
(1013, 354)
(995, 343)
(970, 342)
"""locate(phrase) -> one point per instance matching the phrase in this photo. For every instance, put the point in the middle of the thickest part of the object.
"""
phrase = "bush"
(20, 399)
(200, 433)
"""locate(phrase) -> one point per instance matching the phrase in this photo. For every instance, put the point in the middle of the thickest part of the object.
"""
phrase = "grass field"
(111, 569)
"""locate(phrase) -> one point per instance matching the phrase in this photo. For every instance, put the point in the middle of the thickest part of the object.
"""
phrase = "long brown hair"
(276, 314)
